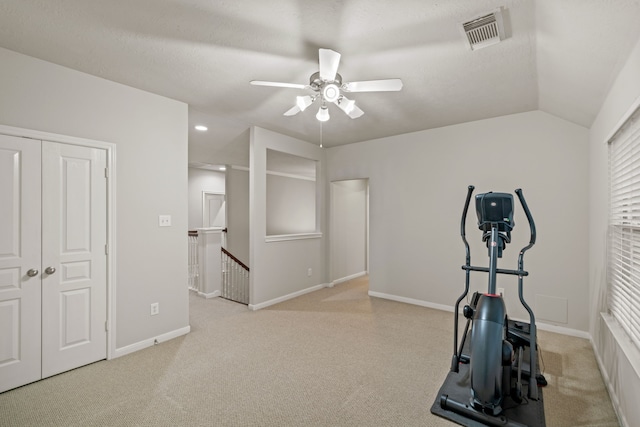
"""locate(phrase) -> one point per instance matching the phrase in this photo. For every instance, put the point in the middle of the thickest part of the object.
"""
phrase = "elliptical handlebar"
(532, 224)
(463, 222)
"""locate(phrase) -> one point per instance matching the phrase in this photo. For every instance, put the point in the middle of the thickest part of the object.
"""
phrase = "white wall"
(348, 224)
(417, 187)
(619, 361)
(291, 205)
(237, 187)
(150, 133)
(202, 180)
(279, 269)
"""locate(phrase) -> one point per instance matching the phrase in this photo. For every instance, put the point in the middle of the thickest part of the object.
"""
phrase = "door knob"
(49, 270)
(32, 273)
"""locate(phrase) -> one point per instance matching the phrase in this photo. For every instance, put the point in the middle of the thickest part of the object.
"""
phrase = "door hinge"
(106, 326)
(106, 249)
(106, 172)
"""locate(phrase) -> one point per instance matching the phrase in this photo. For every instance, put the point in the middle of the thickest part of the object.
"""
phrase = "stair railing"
(235, 278)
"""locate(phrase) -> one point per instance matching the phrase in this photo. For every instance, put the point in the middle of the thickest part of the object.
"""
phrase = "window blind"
(624, 227)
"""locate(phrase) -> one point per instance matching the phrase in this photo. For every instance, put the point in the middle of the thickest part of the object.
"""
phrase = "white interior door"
(213, 210)
(53, 288)
(20, 276)
(74, 288)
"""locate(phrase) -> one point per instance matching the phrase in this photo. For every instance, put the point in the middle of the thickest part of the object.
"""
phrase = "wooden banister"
(230, 255)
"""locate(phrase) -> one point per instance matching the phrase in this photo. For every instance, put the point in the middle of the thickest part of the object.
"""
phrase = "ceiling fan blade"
(349, 107)
(388, 85)
(292, 111)
(277, 84)
(329, 61)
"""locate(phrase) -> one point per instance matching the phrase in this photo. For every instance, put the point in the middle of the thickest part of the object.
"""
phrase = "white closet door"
(74, 289)
(20, 275)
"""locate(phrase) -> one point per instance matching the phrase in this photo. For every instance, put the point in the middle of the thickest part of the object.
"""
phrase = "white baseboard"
(150, 341)
(541, 326)
(287, 297)
(213, 294)
(347, 278)
(562, 330)
(412, 301)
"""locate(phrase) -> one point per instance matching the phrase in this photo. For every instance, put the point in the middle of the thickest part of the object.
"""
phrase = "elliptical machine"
(497, 346)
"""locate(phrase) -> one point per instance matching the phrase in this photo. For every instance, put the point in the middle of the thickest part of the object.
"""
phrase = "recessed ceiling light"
(201, 128)
(222, 168)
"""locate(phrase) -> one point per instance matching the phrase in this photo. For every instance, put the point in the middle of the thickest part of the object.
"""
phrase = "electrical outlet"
(164, 220)
(501, 292)
(309, 272)
(155, 308)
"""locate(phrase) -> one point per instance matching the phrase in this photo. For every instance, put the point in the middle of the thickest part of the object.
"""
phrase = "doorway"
(53, 258)
(349, 245)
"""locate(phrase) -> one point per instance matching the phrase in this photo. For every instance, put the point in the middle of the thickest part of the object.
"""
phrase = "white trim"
(630, 112)
(347, 278)
(213, 294)
(240, 168)
(540, 326)
(630, 352)
(287, 297)
(209, 230)
(411, 301)
(140, 345)
(628, 348)
(615, 402)
(291, 175)
(286, 237)
(110, 149)
(54, 137)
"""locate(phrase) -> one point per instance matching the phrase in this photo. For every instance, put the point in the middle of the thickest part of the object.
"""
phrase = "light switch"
(164, 220)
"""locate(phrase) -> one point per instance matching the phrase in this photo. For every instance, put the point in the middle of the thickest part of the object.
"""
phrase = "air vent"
(485, 30)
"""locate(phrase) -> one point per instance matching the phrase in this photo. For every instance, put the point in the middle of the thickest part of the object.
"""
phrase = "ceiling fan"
(329, 87)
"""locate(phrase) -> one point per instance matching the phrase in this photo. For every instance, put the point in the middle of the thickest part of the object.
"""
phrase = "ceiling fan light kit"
(323, 114)
(303, 102)
(327, 85)
(346, 105)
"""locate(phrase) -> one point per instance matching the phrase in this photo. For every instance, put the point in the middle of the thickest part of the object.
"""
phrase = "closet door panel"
(20, 275)
(74, 257)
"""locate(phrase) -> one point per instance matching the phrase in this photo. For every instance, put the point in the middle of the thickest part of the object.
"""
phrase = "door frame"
(332, 231)
(110, 149)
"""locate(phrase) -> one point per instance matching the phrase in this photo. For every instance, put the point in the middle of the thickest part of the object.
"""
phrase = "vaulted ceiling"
(559, 56)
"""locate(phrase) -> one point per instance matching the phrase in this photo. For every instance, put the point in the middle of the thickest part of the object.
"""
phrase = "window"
(624, 227)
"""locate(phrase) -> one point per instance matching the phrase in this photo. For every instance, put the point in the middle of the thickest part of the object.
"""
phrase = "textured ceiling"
(560, 56)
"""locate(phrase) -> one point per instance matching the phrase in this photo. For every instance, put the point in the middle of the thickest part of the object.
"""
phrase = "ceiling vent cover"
(484, 30)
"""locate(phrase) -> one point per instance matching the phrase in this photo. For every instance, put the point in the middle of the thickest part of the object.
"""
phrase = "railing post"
(209, 244)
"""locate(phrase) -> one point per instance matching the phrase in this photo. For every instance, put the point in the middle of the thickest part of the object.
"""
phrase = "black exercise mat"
(457, 387)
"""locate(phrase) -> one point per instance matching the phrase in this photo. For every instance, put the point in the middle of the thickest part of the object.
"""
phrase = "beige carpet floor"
(335, 357)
